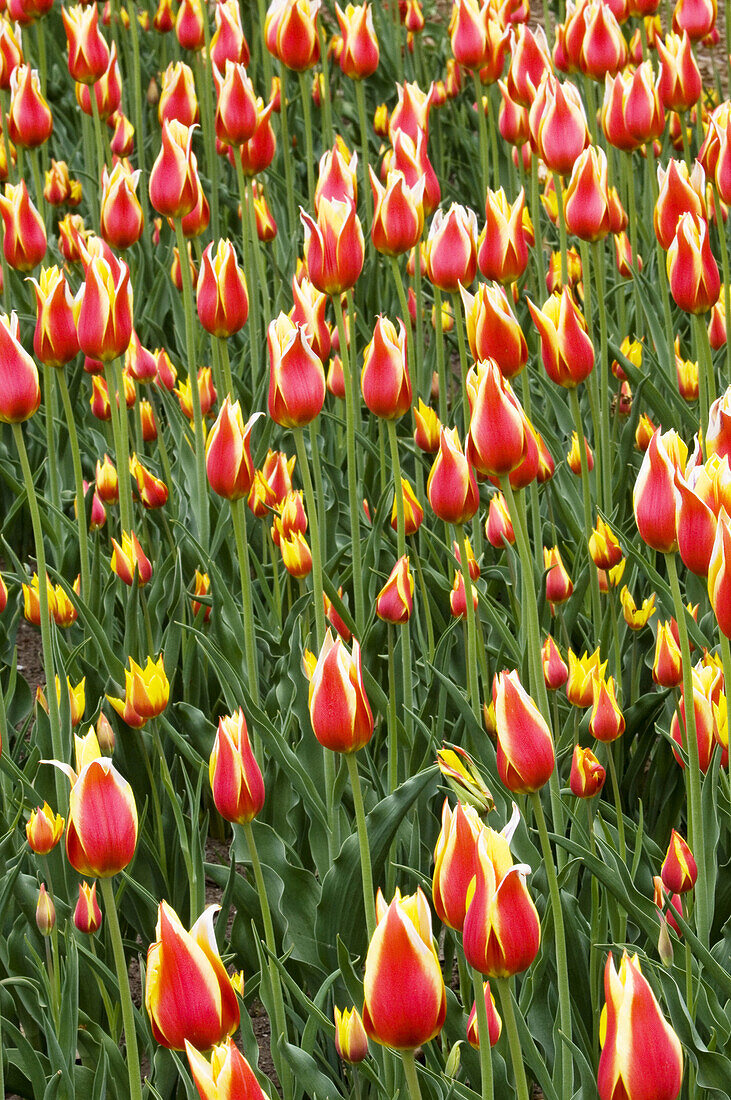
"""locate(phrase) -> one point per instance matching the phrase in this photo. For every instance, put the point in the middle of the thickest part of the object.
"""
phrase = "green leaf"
(309, 1077)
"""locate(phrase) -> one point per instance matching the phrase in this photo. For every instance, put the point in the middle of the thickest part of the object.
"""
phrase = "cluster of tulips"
(356, 497)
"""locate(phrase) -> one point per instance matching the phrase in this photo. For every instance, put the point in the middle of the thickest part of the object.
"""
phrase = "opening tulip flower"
(339, 709)
(188, 994)
(525, 753)
(226, 1075)
(405, 1002)
(101, 834)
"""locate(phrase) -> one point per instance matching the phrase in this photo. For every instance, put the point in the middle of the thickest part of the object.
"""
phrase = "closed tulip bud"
(228, 456)
(603, 48)
(604, 548)
(566, 349)
(460, 771)
(667, 666)
(202, 1010)
(235, 777)
(338, 175)
(411, 113)
(45, 912)
(410, 157)
(458, 597)
(55, 341)
(705, 724)
(30, 122)
(573, 458)
(351, 1041)
(296, 380)
(607, 721)
(494, 1022)
(525, 753)
(679, 870)
(107, 90)
(153, 492)
(695, 283)
(107, 482)
(105, 317)
(452, 248)
(655, 494)
(334, 247)
(696, 526)
(426, 432)
(258, 152)
(228, 42)
(398, 219)
(177, 95)
(492, 330)
(360, 53)
(559, 586)
(452, 486)
(121, 217)
(636, 618)
(639, 1045)
(296, 554)
(174, 181)
(222, 300)
(529, 60)
(502, 931)
(87, 914)
(339, 709)
(129, 560)
(20, 393)
(499, 435)
(674, 905)
(583, 672)
(587, 774)
(44, 829)
(24, 241)
(31, 600)
(404, 996)
(498, 526)
(555, 670)
(502, 248)
(455, 863)
(586, 200)
(385, 378)
(101, 834)
(696, 17)
(680, 82)
(558, 124)
(395, 601)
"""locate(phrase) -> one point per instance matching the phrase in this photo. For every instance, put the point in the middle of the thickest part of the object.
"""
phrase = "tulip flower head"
(404, 996)
(188, 994)
(44, 829)
(455, 862)
(463, 776)
(296, 379)
(679, 869)
(334, 249)
(351, 1041)
(20, 392)
(101, 833)
(452, 486)
(525, 752)
(228, 452)
(339, 709)
(235, 777)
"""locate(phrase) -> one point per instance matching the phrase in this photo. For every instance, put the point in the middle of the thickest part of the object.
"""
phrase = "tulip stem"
(238, 514)
(351, 462)
(721, 228)
(482, 132)
(472, 679)
(705, 366)
(412, 1078)
(365, 852)
(483, 1034)
(49, 400)
(620, 828)
(120, 432)
(516, 1054)
(326, 99)
(408, 701)
(204, 72)
(404, 304)
(258, 284)
(535, 213)
(79, 479)
(259, 26)
(633, 228)
(309, 151)
(280, 1018)
(286, 147)
(363, 122)
(125, 997)
(46, 639)
(726, 660)
(563, 1058)
(441, 365)
(690, 744)
(462, 345)
(250, 280)
(606, 466)
(586, 496)
(200, 496)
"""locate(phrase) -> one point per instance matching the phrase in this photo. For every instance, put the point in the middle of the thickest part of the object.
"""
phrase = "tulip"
(404, 996)
(558, 124)
(222, 300)
(101, 834)
(604, 548)
(460, 771)
(227, 1075)
(334, 247)
(695, 283)
(679, 870)
(129, 560)
(228, 42)
(452, 487)
(177, 95)
(529, 60)
(719, 578)
(555, 669)
(360, 54)
(426, 433)
(411, 113)
(494, 1023)
(107, 90)
(705, 724)
(696, 527)
(566, 349)
(451, 248)
(20, 392)
(31, 600)
(105, 317)
(411, 159)
(573, 458)
(294, 24)
(607, 721)
(636, 617)
(338, 175)
(525, 753)
(398, 220)
(583, 672)
(351, 1041)
(228, 455)
(87, 914)
(680, 82)
(498, 438)
(639, 1045)
(339, 709)
(587, 774)
(309, 311)
(385, 378)
(189, 25)
(458, 597)
(395, 601)
(206, 393)
(45, 912)
(236, 114)
(202, 588)
(492, 330)
(586, 200)
(30, 122)
(603, 48)
(174, 180)
(121, 220)
(44, 829)
(667, 666)
(502, 932)
(153, 492)
(455, 863)
(680, 192)
(296, 554)
(235, 777)
(24, 242)
(296, 380)
(559, 586)
(655, 495)
(258, 152)
(502, 248)
(59, 190)
(188, 994)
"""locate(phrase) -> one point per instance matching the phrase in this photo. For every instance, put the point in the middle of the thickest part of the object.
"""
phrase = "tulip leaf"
(714, 1068)
(340, 911)
(309, 1077)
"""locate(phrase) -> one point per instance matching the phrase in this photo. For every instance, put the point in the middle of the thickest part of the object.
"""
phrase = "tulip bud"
(385, 378)
(105, 318)
(360, 53)
(398, 219)
(502, 248)
(679, 870)
(297, 380)
(492, 330)
(426, 433)
(44, 830)
(333, 248)
(235, 777)
(559, 586)
(525, 753)
(24, 241)
(587, 774)
(566, 349)
(87, 914)
(351, 1041)
(101, 844)
(607, 721)
(222, 300)
(20, 393)
(228, 456)
(693, 275)
(395, 601)
(129, 560)
(174, 176)
(719, 574)
(499, 437)
(455, 861)
(655, 494)
(604, 548)
(339, 709)
(451, 250)
(494, 1022)
(555, 670)
(45, 912)
(30, 122)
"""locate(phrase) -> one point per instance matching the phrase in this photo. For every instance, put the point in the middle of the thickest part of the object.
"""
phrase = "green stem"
(392, 732)
(408, 701)
(139, 118)
(238, 515)
(483, 1033)
(693, 772)
(286, 147)
(350, 412)
(409, 1061)
(280, 1017)
(586, 497)
(404, 304)
(620, 827)
(441, 364)
(200, 493)
(363, 123)
(563, 1059)
(327, 121)
(459, 324)
(472, 680)
(365, 852)
(309, 152)
(598, 258)
(128, 1018)
(563, 244)
(49, 401)
(482, 133)
(79, 480)
(705, 364)
(721, 228)
(516, 1054)
(254, 323)
(314, 531)
(228, 381)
